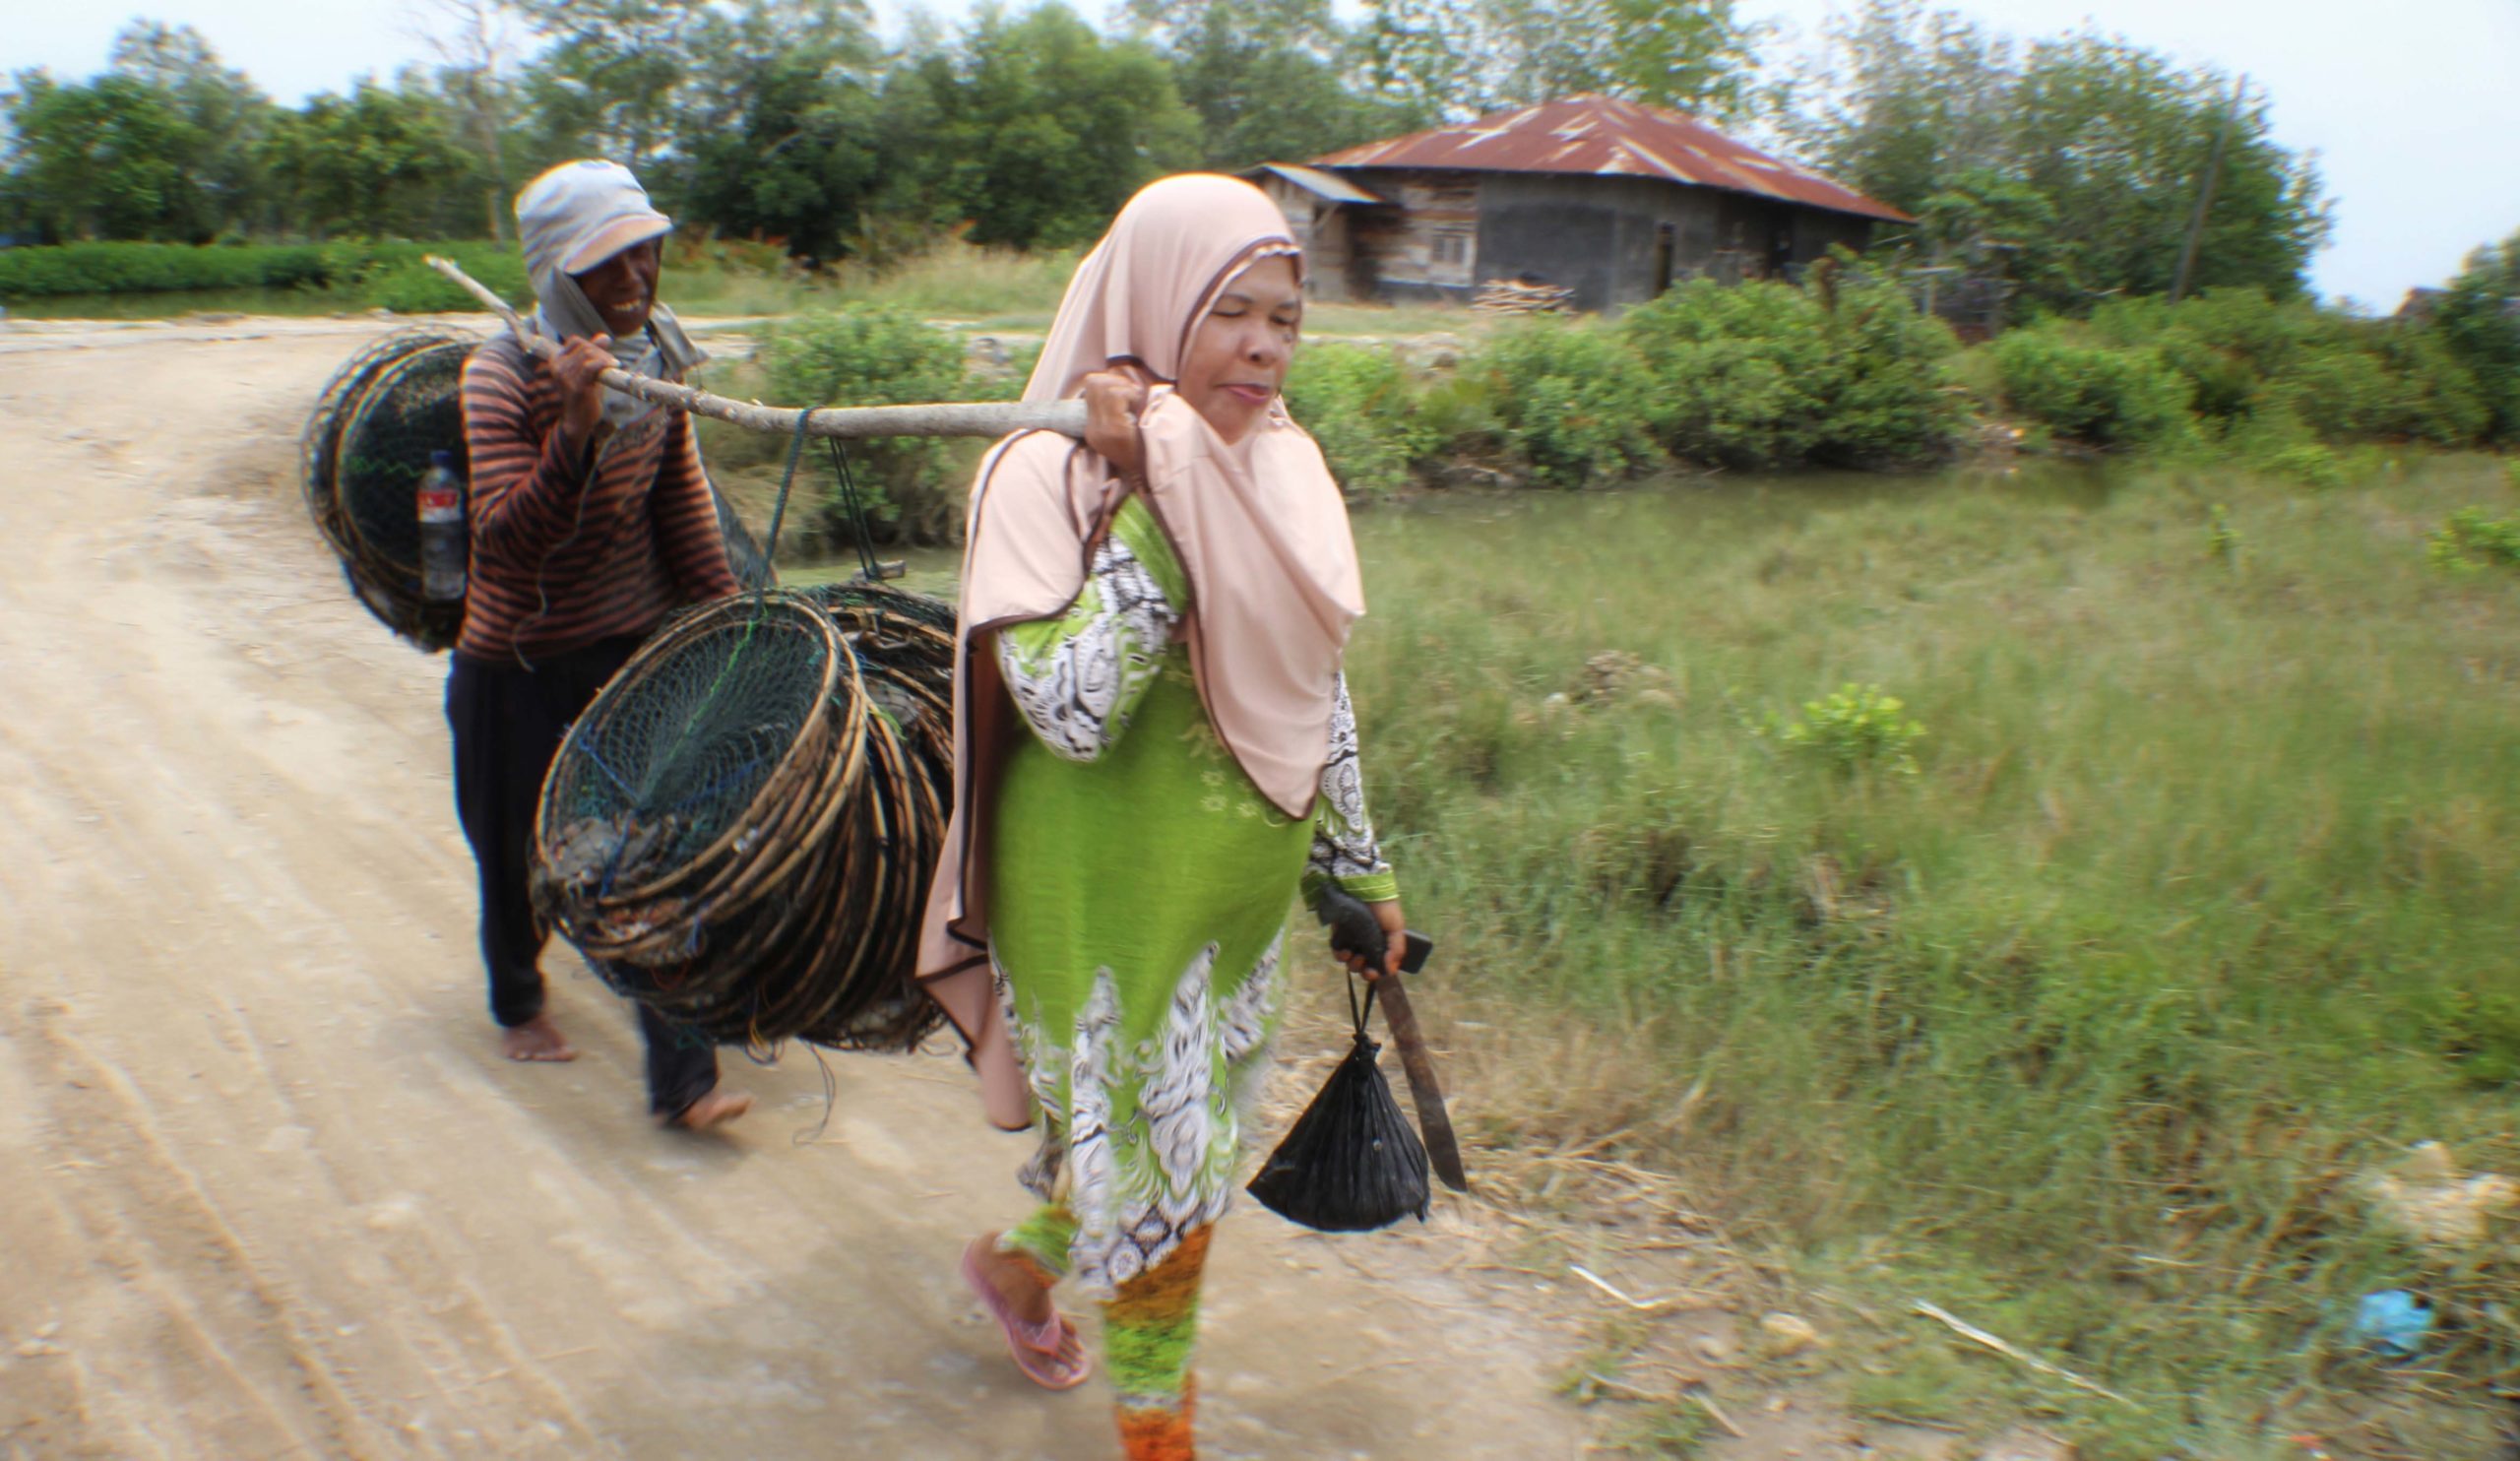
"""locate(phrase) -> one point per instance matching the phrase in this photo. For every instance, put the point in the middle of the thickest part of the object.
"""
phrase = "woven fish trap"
(365, 445)
(740, 830)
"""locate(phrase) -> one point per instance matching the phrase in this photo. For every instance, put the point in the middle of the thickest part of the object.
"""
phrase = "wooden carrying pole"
(944, 419)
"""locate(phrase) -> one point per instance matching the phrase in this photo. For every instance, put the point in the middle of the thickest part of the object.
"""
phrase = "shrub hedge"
(387, 274)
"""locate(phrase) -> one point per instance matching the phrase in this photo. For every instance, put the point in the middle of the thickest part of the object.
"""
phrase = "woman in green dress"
(1155, 752)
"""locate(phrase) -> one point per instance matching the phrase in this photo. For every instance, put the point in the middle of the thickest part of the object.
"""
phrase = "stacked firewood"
(1509, 296)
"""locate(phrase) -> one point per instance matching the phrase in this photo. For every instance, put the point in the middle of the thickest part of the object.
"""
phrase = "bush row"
(2234, 368)
(1756, 376)
(385, 274)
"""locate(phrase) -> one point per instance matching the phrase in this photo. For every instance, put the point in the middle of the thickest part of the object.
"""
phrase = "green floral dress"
(1139, 892)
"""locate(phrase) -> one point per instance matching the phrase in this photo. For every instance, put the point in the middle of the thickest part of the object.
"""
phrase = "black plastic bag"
(1351, 1162)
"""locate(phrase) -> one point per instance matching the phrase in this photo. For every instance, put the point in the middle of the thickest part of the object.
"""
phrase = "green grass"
(2200, 901)
(1339, 319)
(963, 282)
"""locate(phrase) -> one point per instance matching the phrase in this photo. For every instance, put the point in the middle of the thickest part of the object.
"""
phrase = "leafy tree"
(1268, 78)
(375, 162)
(1913, 102)
(2119, 141)
(1459, 58)
(786, 142)
(1043, 129)
(2072, 168)
(1990, 225)
(113, 157)
(609, 84)
(226, 113)
(2478, 319)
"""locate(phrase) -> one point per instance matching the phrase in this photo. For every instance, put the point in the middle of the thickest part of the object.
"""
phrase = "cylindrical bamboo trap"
(739, 831)
(365, 445)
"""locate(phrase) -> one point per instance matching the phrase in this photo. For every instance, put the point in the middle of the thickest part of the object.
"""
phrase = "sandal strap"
(1042, 1338)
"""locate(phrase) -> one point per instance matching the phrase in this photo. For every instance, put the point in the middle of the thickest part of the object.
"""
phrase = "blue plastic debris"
(2392, 1319)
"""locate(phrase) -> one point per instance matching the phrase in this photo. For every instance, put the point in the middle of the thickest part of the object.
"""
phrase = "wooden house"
(1609, 200)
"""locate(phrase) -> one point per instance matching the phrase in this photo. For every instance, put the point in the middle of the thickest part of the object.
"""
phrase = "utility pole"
(2205, 195)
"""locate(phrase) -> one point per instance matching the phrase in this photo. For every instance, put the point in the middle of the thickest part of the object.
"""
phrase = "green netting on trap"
(740, 830)
(685, 742)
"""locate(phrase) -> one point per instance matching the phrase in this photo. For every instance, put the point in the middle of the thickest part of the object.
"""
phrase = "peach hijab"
(1258, 525)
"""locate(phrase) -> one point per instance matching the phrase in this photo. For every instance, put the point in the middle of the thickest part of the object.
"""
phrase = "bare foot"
(713, 1110)
(537, 1039)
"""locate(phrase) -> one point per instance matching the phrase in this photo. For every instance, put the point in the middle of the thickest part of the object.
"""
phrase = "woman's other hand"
(1112, 400)
(1395, 933)
(580, 365)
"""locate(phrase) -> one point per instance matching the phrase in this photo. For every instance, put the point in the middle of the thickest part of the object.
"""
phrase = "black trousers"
(508, 723)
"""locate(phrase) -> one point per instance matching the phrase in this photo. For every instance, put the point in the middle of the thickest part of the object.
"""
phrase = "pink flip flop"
(1034, 1348)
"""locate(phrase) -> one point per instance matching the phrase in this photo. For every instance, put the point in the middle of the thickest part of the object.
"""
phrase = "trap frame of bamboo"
(939, 418)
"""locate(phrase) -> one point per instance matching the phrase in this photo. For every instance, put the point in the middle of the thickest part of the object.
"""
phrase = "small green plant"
(2511, 472)
(1856, 727)
(2470, 540)
(2222, 540)
(2310, 464)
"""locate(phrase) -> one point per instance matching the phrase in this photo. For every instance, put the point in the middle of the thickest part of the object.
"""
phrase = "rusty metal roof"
(1313, 181)
(1606, 137)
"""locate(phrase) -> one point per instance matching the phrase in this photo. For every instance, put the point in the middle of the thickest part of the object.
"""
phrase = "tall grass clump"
(1768, 374)
(2240, 374)
(953, 279)
(392, 276)
(2197, 909)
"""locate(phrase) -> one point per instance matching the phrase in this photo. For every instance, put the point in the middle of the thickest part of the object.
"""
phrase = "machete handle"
(1354, 929)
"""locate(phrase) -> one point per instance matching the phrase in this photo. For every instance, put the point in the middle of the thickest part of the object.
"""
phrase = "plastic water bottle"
(442, 541)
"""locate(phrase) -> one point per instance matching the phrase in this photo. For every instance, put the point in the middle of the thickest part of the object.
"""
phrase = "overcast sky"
(2414, 113)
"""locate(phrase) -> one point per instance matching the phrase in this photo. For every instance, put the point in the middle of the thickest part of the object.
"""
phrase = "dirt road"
(267, 1190)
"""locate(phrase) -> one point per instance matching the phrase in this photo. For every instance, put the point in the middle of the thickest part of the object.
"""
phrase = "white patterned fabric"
(1144, 1139)
(1343, 845)
(1077, 683)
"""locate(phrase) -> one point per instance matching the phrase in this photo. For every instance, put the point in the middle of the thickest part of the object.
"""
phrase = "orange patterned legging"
(1149, 1327)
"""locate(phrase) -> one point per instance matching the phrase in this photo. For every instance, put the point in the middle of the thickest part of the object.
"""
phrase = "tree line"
(2068, 168)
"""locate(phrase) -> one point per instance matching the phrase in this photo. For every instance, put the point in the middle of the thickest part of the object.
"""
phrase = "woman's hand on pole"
(1395, 933)
(579, 365)
(1112, 400)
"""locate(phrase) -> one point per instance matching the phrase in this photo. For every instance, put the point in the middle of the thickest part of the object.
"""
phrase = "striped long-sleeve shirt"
(571, 545)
